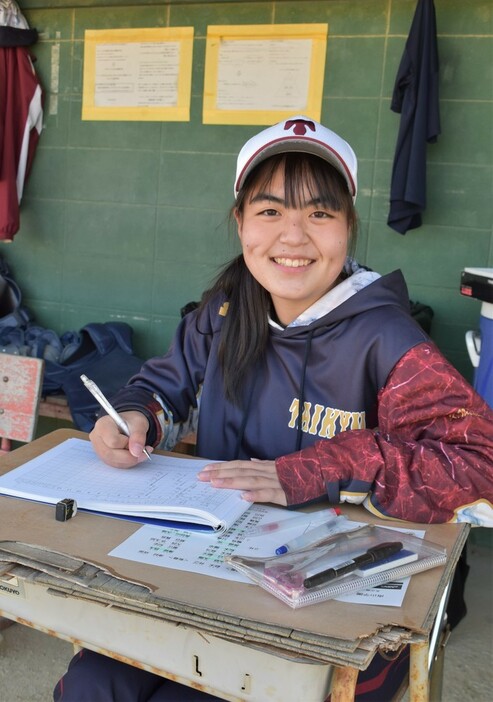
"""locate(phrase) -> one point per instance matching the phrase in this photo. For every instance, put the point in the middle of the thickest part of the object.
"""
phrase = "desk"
(231, 639)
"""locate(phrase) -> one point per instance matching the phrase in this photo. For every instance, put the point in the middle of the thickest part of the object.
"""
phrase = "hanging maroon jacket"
(21, 117)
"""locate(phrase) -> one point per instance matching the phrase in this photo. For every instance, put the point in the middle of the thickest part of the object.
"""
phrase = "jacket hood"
(387, 291)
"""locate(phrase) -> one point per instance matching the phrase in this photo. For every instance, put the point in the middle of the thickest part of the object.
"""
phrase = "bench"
(56, 407)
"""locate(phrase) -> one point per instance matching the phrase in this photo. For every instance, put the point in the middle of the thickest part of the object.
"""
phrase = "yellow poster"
(137, 74)
(261, 74)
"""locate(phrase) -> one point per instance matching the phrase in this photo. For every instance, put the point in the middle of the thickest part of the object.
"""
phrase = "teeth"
(293, 263)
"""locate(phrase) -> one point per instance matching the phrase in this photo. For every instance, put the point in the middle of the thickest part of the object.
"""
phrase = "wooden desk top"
(72, 557)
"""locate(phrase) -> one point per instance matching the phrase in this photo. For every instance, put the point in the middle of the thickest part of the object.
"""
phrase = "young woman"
(305, 373)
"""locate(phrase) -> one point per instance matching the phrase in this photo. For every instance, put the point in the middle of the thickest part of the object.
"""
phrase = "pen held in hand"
(108, 407)
(377, 553)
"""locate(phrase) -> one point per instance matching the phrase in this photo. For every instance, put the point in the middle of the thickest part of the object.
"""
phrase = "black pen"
(377, 553)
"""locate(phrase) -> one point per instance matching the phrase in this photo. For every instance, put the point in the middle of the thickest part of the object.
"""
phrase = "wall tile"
(458, 17)
(388, 130)
(129, 176)
(466, 67)
(345, 59)
(467, 133)
(113, 282)
(365, 17)
(198, 180)
(200, 15)
(356, 120)
(209, 138)
(433, 255)
(97, 228)
(158, 335)
(194, 235)
(48, 176)
(185, 288)
(112, 134)
(456, 196)
(42, 228)
(132, 17)
(50, 25)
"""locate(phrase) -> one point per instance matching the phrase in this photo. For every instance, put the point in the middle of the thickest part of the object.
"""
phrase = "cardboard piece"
(73, 557)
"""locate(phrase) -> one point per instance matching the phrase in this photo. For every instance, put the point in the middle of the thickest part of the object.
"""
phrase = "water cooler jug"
(478, 283)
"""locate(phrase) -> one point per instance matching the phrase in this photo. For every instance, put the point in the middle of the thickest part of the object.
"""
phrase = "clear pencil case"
(297, 578)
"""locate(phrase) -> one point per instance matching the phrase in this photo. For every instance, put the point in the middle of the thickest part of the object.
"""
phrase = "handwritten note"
(202, 553)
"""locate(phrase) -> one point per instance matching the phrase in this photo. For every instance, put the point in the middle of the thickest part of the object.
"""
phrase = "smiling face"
(294, 228)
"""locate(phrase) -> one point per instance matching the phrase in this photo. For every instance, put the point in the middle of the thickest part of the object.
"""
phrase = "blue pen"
(309, 538)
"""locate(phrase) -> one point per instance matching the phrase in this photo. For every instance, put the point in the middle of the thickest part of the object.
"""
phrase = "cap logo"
(299, 126)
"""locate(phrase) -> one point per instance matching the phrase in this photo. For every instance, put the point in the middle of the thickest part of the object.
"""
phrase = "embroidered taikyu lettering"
(324, 422)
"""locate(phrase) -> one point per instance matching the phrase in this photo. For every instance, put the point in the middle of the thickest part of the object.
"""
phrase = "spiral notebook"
(163, 492)
(343, 564)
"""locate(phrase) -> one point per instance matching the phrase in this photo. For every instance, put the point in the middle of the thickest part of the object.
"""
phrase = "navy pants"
(92, 677)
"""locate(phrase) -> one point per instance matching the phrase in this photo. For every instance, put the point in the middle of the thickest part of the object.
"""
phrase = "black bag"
(423, 314)
(12, 313)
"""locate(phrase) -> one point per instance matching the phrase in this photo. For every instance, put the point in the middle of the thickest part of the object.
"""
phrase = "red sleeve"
(429, 460)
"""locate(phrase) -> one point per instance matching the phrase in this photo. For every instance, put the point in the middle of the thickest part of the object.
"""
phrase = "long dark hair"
(245, 330)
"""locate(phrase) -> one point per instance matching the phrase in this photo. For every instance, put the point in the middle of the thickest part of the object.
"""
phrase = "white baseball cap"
(301, 134)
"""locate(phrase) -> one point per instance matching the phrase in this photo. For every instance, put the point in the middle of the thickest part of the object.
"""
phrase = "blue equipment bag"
(103, 352)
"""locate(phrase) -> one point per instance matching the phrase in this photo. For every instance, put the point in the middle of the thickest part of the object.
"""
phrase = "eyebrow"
(261, 196)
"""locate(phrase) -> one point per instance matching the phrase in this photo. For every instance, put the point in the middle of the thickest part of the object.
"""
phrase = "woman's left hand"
(257, 479)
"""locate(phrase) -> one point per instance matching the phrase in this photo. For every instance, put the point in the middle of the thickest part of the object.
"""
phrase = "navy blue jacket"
(339, 363)
(415, 96)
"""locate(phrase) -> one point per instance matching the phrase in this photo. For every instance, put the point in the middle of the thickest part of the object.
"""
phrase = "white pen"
(310, 519)
(312, 536)
(105, 404)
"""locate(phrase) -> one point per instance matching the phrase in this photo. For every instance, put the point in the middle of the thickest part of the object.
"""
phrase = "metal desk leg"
(418, 673)
(344, 684)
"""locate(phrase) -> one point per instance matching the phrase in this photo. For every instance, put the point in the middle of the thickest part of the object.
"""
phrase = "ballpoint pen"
(312, 536)
(377, 553)
(311, 519)
(106, 405)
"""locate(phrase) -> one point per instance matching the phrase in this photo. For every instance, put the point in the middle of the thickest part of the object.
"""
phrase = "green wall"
(127, 220)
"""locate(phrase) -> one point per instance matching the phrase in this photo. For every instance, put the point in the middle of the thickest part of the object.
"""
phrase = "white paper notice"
(137, 74)
(264, 75)
(203, 553)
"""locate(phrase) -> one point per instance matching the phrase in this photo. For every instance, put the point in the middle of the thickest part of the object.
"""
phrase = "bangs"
(306, 178)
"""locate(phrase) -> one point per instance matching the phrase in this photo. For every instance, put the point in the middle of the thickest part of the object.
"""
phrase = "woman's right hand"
(115, 448)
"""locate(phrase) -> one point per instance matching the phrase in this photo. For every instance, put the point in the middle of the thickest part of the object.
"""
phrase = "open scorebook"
(164, 491)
